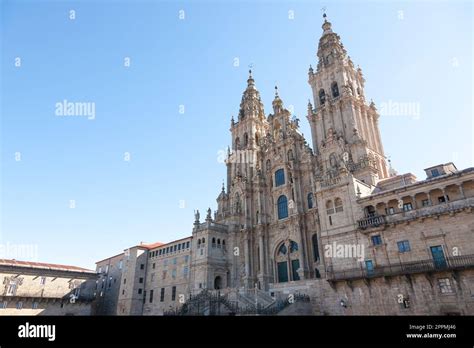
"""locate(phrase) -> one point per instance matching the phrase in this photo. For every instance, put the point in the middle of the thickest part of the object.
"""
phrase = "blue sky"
(421, 55)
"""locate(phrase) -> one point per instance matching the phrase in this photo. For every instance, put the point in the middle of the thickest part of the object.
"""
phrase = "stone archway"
(287, 261)
(217, 283)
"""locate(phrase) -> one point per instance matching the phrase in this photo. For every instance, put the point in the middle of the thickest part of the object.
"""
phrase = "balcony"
(404, 268)
(372, 221)
(421, 212)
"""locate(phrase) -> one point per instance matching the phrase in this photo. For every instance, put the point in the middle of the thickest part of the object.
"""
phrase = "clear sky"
(411, 53)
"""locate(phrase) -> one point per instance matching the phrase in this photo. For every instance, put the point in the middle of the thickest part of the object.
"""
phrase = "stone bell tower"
(344, 127)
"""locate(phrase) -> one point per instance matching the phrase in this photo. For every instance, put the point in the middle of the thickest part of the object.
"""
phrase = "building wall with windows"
(167, 277)
(33, 288)
(335, 221)
(108, 284)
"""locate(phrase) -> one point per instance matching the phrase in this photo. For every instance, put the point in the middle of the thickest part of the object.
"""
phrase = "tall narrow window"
(315, 247)
(322, 97)
(310, 200)
(282, 207)
(173, 293)
(335, 90)
(279, 177)
(151, 296)
(162, 295)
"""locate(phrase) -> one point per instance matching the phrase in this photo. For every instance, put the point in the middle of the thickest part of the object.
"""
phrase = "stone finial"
(196, 216)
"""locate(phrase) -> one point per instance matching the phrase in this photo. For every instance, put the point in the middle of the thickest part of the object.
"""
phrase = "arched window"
(322, 97)
(213, 242)
(282, 250)
(310, 200)
(218, 242)
(269, 165)
(338, 205)
(335, 90)
(314, 239)
(203, 241)
(282, 207)
(279, 177)
(246, 139)
(223, 242)
(199, 243)
(317, 274)
(290, 155)
(237, 143)
(329, 207)
(293, 246)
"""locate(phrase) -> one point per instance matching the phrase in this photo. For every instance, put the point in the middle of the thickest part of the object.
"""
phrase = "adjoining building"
(334, 222)
(34, 288)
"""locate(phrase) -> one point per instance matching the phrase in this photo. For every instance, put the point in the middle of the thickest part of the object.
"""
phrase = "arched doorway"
(287, 261)
(218, 283)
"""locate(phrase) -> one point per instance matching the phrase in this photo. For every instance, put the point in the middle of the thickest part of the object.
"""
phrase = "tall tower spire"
(341, 121)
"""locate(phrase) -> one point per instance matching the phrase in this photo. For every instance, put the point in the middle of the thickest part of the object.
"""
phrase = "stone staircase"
(237, 302)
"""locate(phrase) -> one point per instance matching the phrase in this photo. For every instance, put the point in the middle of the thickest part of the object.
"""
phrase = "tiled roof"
(151, 246)
(51, 266)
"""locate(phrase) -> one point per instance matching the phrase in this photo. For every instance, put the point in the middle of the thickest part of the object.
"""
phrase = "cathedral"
(330, 220)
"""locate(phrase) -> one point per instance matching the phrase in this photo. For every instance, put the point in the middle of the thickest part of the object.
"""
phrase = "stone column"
(461, 191)
(262, 252)
(247, 255)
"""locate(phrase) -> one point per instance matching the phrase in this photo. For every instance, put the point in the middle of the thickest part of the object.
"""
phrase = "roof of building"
(151, 246)
(41, 265)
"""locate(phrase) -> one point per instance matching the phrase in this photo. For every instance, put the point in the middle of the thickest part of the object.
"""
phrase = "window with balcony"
(425, 203)
(407, 206)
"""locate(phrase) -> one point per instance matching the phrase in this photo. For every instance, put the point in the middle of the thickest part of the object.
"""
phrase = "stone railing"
(430, 210)
(422, 266)
(330, 182)
(442, 208)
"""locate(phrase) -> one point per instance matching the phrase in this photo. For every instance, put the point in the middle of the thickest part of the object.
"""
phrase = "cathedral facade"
(333, 220)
